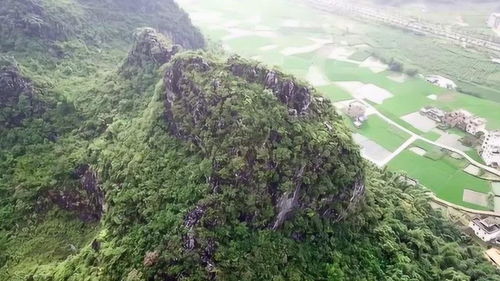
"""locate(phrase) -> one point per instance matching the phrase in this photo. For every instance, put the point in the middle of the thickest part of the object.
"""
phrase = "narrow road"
(415, 137)
(457, 207)
(399, 150)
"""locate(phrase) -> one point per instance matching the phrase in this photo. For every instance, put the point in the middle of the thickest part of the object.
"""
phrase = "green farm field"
(444, 177)
(383, 133)
(334, 92)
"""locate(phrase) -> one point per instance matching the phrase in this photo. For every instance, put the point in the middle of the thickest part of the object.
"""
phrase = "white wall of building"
(494, 21)
(491, 148)
(483, 235)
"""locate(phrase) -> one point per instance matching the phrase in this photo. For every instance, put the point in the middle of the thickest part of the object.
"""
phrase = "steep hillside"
(93, 21)
(182, 165)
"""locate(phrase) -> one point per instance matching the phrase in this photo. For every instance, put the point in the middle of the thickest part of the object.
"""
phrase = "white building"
(441, 82)
(476, 125)
(494, 21)
(485, 229)
(357, 112)
(458, 118)
(491, 148)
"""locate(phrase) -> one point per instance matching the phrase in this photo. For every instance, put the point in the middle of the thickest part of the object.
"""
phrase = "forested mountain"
(125, 155)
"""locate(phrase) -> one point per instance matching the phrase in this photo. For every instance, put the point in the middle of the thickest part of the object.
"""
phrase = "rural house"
(494, 21)
(475, 125)
(458, 118)
(491, 148)
(485, 229)
(357, 112)
(433, 113)
(441, 82)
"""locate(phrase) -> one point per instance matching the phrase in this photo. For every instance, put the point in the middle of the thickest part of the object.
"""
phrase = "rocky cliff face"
(17, 98)
(296, 97)
(213, 114)
(29, 18)
(166, 16)
(151, 49)
(246, 120)
(86, 200)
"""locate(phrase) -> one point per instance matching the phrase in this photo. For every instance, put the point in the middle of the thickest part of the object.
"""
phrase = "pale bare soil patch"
(374, 65)
(452, 140)
(418, 151)
(340, 53)
(398, 77)
(473, 170)
(475, 197)
(370, 149)
(419, 121)
(369, 92)
(316, 77)
(318, 44)
(447, 97)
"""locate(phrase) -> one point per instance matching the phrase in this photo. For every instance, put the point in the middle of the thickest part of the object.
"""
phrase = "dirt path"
(457, 207)
(399, 150)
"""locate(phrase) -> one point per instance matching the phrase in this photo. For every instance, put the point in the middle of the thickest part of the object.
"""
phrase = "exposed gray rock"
(151, 49)
(289, 202)
(87, 201)
(296, 97)
(176, 83)
(17, 98)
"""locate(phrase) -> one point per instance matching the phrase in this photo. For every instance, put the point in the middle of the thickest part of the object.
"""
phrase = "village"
(485, 226)
(486, 142)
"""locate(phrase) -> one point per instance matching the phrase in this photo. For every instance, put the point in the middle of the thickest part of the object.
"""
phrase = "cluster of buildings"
(471, 124)
(460, 119)
(494, 21)
(491, 148)
(465, 121)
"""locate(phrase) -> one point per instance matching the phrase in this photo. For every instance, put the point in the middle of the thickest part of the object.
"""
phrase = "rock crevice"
(17, 98)
(87, 200)
(151, 49)
(288, 91)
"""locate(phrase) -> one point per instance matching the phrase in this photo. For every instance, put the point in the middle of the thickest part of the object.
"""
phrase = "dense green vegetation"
(205, 168)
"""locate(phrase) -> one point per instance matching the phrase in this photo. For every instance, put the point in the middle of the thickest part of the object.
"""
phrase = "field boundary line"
(461, 153)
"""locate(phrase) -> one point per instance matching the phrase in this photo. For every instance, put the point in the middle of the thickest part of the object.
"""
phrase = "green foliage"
(239, 147)
(26, 23)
